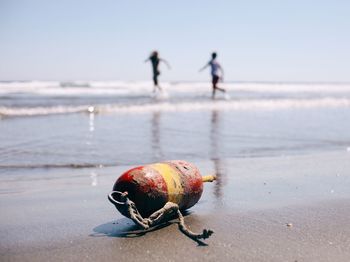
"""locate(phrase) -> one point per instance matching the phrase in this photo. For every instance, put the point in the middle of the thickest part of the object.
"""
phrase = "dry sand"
(294, 208)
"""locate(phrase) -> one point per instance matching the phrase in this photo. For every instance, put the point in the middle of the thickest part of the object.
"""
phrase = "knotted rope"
(165, 213)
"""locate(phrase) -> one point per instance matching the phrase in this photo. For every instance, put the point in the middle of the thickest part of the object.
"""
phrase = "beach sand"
(281, 208)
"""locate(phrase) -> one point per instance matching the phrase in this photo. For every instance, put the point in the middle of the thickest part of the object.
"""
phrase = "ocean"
(80, 124)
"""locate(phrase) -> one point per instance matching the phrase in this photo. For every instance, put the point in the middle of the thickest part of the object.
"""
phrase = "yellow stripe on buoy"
(172, 180)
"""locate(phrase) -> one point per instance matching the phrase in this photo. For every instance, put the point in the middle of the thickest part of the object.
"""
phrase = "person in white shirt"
(216, 69)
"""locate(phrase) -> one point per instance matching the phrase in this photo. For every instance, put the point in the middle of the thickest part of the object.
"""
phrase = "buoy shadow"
(125, 228)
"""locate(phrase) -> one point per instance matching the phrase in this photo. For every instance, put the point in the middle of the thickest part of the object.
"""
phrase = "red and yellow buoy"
(150, 187)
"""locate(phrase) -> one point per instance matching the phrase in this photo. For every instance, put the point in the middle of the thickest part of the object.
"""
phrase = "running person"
(155, 59)
(216, 69)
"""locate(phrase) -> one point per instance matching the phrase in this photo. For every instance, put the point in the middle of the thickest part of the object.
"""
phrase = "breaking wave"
(34, 98)
(248, 104)
(82, 88)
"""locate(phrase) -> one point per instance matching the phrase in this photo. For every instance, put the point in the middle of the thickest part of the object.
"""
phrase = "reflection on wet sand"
(89, 143)
(219, 165)
(155, 137)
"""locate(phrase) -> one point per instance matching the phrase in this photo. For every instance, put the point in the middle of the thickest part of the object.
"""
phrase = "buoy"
(158, 189)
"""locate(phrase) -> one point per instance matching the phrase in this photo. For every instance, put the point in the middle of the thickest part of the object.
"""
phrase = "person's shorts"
(215, 79)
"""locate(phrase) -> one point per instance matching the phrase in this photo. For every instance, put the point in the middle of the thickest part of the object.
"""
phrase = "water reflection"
(219, 165)
(89, 135)
(91, 122)
(93, 175)
(94, 179)
(155, 136)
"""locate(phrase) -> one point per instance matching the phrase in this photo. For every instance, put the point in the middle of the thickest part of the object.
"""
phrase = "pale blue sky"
(261, 40)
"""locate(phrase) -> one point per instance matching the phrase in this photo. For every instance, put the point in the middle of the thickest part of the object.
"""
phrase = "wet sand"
(287, 208)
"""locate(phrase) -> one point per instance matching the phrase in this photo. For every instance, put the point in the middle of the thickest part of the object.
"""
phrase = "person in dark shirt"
(216, 73)
(155, 59)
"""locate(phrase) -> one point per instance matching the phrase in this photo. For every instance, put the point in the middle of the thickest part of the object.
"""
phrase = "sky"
(261, 40)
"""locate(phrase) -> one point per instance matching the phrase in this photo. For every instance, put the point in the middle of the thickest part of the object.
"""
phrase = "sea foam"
(267, 104)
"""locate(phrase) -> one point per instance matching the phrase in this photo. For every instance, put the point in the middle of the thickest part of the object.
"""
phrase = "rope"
(165, 213)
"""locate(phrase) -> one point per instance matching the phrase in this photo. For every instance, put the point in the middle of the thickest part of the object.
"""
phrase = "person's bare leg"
(221, 89)
(214, 90)
(156, 86)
